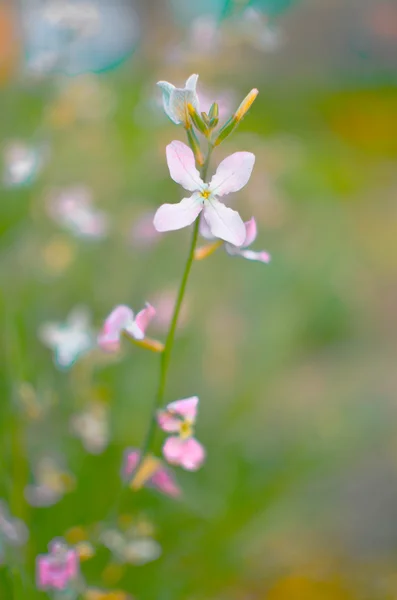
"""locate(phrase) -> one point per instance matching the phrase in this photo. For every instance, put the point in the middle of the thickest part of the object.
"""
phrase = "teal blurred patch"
(58, 42)
(186, 10)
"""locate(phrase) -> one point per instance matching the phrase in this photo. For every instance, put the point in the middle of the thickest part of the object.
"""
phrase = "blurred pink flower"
(151, 473)
(143, 234)
(58, 568)
(183, 449)
(120, 320)
(73, 209)
(232, 175)
(251, 233)
(165, 303)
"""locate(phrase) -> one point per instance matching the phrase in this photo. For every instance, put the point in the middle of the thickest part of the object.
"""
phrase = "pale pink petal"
(192, 455)
(144, 317)
(175, 216)
(165, 482)
(72, 564)
(117, 321)
(233, 173)
(182, 166)
(43, 578)
(205, 231)
(173, 450)
(259, 256)
(131, 460)
(248, 254)
(168, 422)
(250, 232)
(186, 408)
(224, 222)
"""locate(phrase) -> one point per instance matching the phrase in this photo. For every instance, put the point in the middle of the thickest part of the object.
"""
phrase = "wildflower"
(58, 568)
(232, 175)
(13, 532)
(183, 449)
(133, 543)
(21, 163)
(251, 232)
(51, 483)
(175, 100)
(151, 473)
(73, 209)
(91, 426)
(121, 320)
(69, 340)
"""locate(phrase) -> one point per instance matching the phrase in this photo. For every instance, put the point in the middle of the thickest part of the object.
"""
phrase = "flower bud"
(195, 146)
(197, 120)
(207, 250)
(232, 123)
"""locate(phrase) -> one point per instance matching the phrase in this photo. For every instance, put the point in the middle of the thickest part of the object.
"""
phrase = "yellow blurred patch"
(300, 587)
(112, 573)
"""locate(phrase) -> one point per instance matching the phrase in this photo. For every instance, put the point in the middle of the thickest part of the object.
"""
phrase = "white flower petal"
(233, 173)
(224, 222)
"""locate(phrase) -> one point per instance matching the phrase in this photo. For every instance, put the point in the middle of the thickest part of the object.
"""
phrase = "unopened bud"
(205, 118)
(148, 344)
(195, 146)
(205, 251)
(232, 123)
(197, 120)
(245, 105)
(214, 111)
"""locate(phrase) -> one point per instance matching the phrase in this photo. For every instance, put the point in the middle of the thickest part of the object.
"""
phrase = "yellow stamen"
(185, 430)
(206, 194)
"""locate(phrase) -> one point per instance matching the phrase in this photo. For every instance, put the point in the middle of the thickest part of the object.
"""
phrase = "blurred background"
(294, 362)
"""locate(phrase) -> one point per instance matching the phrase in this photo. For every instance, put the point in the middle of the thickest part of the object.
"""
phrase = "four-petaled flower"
(71, 339)
(176, 100)
(120, 320)
(58, 568)
(250, 236)
(182, 449)
(232, 175)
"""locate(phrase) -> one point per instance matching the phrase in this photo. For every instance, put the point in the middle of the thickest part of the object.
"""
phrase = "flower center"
(206, 194)
(185, 430)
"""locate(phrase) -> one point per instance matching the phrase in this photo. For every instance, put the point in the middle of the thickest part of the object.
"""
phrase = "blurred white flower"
(13, 532)
(92, 427)
(82, 18)
(73, 209)
(133, 545)
(22, 163)
(71, 339)
(254, 28)
(51, 483)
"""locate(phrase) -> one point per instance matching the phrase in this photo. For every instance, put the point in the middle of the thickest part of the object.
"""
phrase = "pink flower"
(120, 320)
(57, 568)
(151, 473)
(250, 236)
(183, 449)
(232, 175)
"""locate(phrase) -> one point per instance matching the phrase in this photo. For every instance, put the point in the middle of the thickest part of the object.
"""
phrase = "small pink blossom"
(232, 175)
(182, 449)
(120, 320)
(58, 568)
(143, 234)
(250, 236)
(156, 476)
(73, 209)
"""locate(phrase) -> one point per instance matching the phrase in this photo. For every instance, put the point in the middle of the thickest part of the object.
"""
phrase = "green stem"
(169, 342)
(166, 353)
